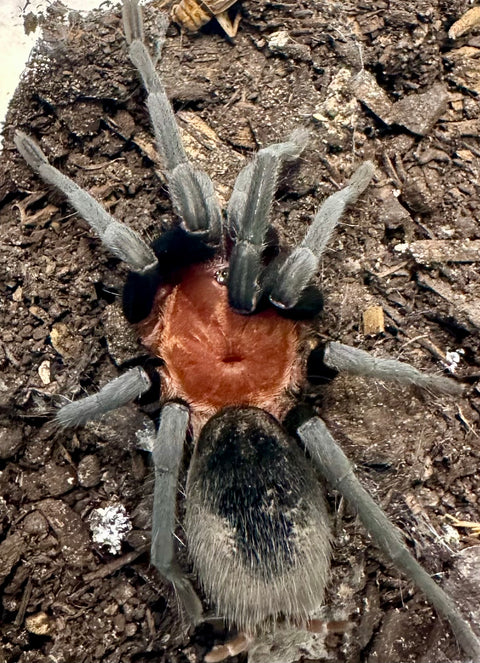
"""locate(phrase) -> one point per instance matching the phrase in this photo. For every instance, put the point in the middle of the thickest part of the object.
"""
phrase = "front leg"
(190, 189)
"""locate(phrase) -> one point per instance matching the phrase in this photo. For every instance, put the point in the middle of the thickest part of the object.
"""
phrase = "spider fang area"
(216, 357)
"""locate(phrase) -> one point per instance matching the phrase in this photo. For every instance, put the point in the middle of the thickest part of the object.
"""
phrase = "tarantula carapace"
(232, 322)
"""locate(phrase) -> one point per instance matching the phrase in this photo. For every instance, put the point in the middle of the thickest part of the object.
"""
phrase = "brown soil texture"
(375, 79)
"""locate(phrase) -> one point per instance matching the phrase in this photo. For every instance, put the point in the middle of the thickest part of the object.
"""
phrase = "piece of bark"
(369, 92)
(71, 531)
(470, 308)
(430, 251)
(373, 320)
(418, 113)
(11, 549)
(11, 440)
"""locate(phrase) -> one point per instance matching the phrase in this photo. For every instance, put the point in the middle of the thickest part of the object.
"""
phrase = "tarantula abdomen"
(253, 496)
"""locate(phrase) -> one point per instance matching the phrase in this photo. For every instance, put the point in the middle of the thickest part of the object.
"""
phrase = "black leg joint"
(308, 306)
(176, 249)
(139, 294)
(150, 365)
(318, 373)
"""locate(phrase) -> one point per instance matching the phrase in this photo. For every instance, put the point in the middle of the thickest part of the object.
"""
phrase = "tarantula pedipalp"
(233, 331)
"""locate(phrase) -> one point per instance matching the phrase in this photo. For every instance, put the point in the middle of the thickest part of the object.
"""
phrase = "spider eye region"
(213, 356)
(221, 275)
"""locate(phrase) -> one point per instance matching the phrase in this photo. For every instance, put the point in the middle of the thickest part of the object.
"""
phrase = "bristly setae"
(233, 326)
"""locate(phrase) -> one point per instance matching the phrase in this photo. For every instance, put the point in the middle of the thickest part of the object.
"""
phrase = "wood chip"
(39, 624)
(64, 341)
(11, 550)
(113, 566)
(391, 270)
(199, 129)
(467, 22)
(430, 251)
(44, 372)
(368, 91)
(420, 112)
(373, 320)
(71, 531)
(463, 68)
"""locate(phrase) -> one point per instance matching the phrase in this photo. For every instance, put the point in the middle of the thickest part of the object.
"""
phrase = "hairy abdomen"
(256, 521)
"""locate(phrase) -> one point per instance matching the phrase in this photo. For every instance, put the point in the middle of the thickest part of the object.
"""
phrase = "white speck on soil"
(109, 526)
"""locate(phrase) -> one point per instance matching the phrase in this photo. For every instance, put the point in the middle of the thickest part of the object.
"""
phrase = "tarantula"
(233, 325)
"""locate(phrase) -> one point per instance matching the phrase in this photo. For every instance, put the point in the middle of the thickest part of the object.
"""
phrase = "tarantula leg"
(300, 266)
(337, 469)
(191, 190)
(248, 214)
(118, 238)
(168, 137)
(114, 394)
(341, 358)
(167, 455)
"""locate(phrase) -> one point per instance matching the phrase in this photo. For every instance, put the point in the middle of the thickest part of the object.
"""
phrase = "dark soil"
(414, 111)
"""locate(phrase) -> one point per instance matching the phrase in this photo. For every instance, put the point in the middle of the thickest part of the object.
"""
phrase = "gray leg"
(118, 238)
(167, 455)
(336, 468)
(191, 190)
(248, 215)
(345, 359)
(118, 392)
(301, 265)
